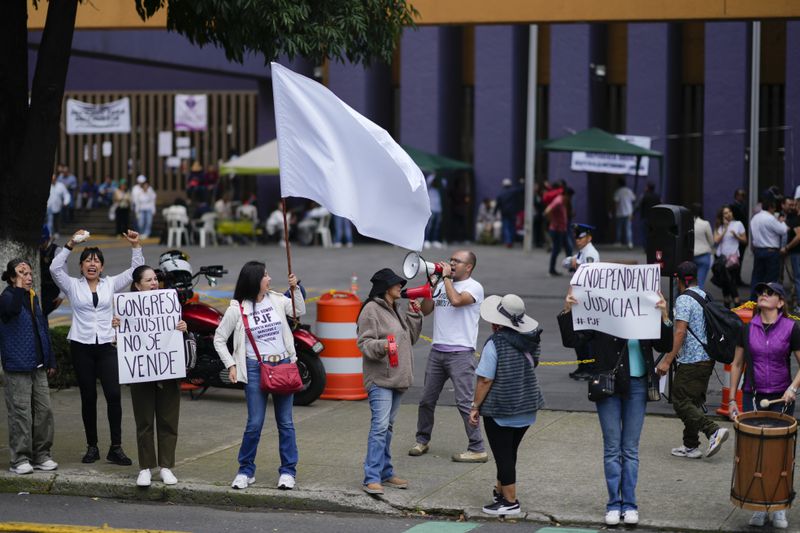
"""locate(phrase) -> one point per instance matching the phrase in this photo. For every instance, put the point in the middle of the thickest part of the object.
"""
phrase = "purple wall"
(726, 101)
(500, 107)
(792, 135)
(570, 109)
(367, 90)
(430, 74)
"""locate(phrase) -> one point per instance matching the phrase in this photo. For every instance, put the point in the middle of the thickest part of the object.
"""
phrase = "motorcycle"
(202, 319)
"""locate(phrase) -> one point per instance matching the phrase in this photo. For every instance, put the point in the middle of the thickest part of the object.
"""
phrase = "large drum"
(763, 463)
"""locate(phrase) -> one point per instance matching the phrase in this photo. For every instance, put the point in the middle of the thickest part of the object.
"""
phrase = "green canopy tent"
(598, 141)
(434, 163)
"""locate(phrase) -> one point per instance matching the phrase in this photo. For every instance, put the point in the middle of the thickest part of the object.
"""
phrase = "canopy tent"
(599, 141)
(428, 162)
(260, 160)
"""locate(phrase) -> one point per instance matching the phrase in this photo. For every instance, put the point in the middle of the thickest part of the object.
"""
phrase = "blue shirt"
(487, 368)
(689, 310)
(636, 359)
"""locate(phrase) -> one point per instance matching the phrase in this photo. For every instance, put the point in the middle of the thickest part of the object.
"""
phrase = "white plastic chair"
(250, 212)
(324, 231)
(208, 229)
(177, 225)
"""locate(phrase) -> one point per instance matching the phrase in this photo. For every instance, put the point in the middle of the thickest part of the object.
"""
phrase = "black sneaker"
(118, 457)
(502, 507)
(496, 496)
(92, 455)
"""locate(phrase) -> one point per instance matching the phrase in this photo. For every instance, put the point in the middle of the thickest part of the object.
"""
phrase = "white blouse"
(90, 324)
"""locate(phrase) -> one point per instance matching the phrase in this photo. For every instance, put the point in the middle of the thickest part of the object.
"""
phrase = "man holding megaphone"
(455, 303)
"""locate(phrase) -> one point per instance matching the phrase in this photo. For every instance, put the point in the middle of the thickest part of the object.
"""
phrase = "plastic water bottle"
(354, 284)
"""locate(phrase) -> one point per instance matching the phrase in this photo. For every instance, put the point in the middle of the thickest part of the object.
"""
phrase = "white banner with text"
(111, 117)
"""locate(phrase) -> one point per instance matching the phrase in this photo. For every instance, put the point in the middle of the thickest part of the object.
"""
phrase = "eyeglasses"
(767, 292)
(456, 261)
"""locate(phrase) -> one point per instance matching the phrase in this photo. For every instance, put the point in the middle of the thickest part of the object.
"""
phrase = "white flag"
(331, 154)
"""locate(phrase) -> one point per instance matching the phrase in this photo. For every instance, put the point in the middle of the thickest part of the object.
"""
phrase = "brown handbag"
(278, 378)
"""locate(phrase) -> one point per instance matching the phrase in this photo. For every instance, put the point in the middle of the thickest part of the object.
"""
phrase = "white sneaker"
(426, 244)
(437, 244)
(759, 518)
(779, 520)
(286, 482)
(337, 245)
(241, 481)
(22, 468)
(612, 518)
(144, 478)
(630, 517)
(683, 451)
(715, 441)
(168, 477)
(46, 465)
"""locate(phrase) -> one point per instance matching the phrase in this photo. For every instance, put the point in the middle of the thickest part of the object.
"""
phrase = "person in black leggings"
(93, 356)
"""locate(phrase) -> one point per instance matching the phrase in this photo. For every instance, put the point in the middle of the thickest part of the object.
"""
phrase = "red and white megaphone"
(423, 291)
(415, 264)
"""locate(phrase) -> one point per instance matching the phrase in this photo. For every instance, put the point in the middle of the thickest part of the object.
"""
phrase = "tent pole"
(636, 175)
(288, 253)
(530, 136)
(755, 87)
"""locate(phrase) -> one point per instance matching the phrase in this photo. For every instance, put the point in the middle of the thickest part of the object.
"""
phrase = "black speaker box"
(670, 237)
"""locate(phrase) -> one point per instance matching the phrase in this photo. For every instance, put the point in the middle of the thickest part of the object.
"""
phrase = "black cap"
(686, 271)
(582, 230)
(383, 279)
(776, 287)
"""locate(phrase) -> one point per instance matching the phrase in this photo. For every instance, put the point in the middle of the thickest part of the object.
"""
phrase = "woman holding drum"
(766, 345)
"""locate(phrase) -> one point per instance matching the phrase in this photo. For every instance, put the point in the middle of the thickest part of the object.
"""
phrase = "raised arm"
(58, 269)
(123, 280)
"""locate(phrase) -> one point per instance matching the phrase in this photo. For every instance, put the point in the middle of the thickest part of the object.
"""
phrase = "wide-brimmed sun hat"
(508, 311)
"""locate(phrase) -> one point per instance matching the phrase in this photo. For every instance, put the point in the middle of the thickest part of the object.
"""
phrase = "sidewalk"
(560, 468)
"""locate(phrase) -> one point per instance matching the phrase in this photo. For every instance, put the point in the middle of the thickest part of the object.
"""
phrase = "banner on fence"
(191, 112)
(149, 348)
(111, 117)
(617, 299)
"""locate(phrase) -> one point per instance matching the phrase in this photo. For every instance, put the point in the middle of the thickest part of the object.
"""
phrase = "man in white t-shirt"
(623, 206)
(456, 312)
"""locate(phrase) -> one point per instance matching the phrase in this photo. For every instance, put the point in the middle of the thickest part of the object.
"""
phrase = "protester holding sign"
(159, 399)
(257, 320)
(91, 335)
(621, 411)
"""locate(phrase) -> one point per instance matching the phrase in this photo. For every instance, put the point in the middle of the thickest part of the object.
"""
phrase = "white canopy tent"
(260, 160)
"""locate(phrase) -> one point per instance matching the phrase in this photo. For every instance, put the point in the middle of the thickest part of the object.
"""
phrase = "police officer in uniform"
(586, 253)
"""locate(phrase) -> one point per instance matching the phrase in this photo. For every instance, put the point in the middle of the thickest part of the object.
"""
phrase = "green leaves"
(359, 31)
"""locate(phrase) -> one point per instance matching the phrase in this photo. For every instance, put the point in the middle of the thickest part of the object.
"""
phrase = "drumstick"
(766, 403)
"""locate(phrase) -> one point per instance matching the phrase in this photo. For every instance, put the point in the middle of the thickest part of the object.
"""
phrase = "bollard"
(337, 313)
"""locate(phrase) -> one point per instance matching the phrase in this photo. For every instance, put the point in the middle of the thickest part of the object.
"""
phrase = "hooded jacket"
(376, 322)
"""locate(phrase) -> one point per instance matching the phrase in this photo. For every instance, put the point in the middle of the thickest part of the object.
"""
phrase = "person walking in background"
(767, 233)
(144, 202)
(28, 360)
(257, 319)
(538, 215)
(342, 232)
(557, 213)
(59, 199)
(158, 401)
(122, 211)
(740, 210)
(729, 235)
(509, 203)
(69, 181)
(703, 244)
(433, 231)
(91, 336)
(507, 394)
(763, 356)
(648, 200)
(622, 413)
(623, 212)
(386, 334)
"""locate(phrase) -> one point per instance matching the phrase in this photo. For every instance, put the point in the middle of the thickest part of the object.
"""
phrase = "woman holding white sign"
(93, 356)
(621, 410)
(257, 320)
(159, 400)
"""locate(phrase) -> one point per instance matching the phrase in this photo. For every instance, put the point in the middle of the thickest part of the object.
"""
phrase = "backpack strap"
(703, 303)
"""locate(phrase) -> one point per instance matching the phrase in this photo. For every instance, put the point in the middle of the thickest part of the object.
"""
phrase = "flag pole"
(288, 253)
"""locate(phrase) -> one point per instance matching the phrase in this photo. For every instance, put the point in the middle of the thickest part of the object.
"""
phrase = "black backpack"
(723, 328)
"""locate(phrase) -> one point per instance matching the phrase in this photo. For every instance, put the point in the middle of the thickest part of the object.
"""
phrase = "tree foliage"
(355, 30)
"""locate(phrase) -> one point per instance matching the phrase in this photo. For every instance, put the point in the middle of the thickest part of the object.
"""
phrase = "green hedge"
(65, 377)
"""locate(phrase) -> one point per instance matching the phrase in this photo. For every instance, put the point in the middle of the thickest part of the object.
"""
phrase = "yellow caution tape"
(29, 527)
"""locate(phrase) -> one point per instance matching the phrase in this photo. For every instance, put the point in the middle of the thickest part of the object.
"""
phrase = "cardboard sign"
(149, 348)
(617, 299)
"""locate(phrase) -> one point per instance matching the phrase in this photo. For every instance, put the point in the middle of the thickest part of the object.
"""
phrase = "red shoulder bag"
(283, 378)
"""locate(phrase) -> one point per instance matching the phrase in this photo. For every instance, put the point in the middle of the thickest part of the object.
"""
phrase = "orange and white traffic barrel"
(337, 313)
(746, 314)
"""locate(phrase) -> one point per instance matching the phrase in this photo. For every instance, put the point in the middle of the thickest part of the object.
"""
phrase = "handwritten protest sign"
(149, 348)
(617, 299)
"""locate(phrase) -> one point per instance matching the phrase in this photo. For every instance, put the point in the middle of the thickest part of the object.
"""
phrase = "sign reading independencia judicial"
(617, 299)
(149, 348)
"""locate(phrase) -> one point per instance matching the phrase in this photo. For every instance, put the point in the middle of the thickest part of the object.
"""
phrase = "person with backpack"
(690, 346)
(766, 346)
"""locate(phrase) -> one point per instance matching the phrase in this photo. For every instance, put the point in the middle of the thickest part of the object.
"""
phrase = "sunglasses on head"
(766, 291)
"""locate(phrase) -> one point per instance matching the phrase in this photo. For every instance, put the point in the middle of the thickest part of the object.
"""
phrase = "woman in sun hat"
(507, 394)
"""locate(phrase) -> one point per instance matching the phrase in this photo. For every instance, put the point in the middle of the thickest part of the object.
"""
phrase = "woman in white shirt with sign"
(263, 312)
(159, 400)
(93, 356)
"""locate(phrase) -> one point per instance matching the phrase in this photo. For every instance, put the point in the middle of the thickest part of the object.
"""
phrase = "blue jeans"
(766, 268)
(384, 404)
(433, 230)
(256, 411)
(703, 263)
(559, 239)
(509, 229)
(145, 220)
(342, 232)
(621, 419)
(624, 229)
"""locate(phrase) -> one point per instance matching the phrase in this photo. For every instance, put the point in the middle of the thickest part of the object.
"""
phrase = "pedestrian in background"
(703, 244)
(122, 211)
(740, 210)
(648, 200)
(27, 362)
(624, 199)
(156, 406)
(257, 320)
(557, 212)
(767, 233)
(57, 201)
(507, 393)
(433, 231)
(587, 253)
(729, 236)
(91, 335)
(144, 201)
(509, 203)
(387, 330)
